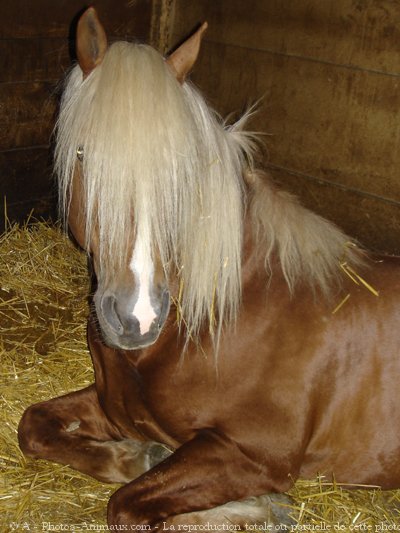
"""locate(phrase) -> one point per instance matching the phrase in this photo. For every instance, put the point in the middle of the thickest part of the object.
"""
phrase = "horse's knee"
(113, 511)
(121, 511)
(117, 515)
(35, 431)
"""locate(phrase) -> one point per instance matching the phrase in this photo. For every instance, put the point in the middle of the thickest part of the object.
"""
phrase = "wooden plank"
(362, 34)
(44, 18)
(25, 174)
(372, 221)
(161, 24)
(328, 121)
(33, 59)
(27, 114)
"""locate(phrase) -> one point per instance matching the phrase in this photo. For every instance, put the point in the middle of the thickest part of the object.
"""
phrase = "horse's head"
(132, 295)
(151, 184)
(132, 298)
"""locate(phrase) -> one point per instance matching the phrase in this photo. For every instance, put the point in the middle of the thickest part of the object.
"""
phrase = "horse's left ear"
(91, 41)
(182, 60)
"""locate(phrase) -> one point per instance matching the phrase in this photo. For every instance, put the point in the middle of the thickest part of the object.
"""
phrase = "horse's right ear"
(91, 41)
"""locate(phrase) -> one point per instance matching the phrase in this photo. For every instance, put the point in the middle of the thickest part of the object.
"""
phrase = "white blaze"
(143, 270)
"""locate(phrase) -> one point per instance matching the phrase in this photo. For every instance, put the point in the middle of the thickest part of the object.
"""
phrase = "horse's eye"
(79, 153)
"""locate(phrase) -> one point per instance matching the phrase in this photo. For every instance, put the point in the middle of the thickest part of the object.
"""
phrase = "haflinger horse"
(239, 341)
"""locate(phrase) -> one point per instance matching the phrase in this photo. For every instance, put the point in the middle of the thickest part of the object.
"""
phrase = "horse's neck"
(307, 247)
(253, 258)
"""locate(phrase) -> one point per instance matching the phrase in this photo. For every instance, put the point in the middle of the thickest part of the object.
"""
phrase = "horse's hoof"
(157, 452)
(281, 506)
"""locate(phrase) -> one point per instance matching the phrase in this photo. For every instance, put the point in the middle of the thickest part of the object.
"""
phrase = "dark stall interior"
(326, 75)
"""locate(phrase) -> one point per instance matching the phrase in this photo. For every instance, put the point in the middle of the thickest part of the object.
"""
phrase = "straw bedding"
(44, 291)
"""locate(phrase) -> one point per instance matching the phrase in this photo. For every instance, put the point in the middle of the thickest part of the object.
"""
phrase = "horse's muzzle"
(121, 328)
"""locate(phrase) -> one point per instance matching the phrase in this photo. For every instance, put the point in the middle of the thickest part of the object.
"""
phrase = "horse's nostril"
(165, 303)
(117, 316)
(110, 313)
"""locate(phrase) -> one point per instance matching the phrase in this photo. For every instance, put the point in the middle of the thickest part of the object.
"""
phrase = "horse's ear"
(182, 60)
(91, 41)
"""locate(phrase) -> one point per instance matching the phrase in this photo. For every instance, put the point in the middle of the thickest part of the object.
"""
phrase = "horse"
(239, 341)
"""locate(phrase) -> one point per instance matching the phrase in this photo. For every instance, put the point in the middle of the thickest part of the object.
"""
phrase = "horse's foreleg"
(204, 473)
(74, 430)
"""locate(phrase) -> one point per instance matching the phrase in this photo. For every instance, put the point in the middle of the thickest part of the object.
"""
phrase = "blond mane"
(309, 247)
(156, 156)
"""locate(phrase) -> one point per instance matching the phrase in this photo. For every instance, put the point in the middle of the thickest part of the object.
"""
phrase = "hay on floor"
(44, 291)
(43, 308)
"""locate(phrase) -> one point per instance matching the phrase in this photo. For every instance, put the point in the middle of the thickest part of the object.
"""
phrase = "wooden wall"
(34, 55)
(329, 75)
